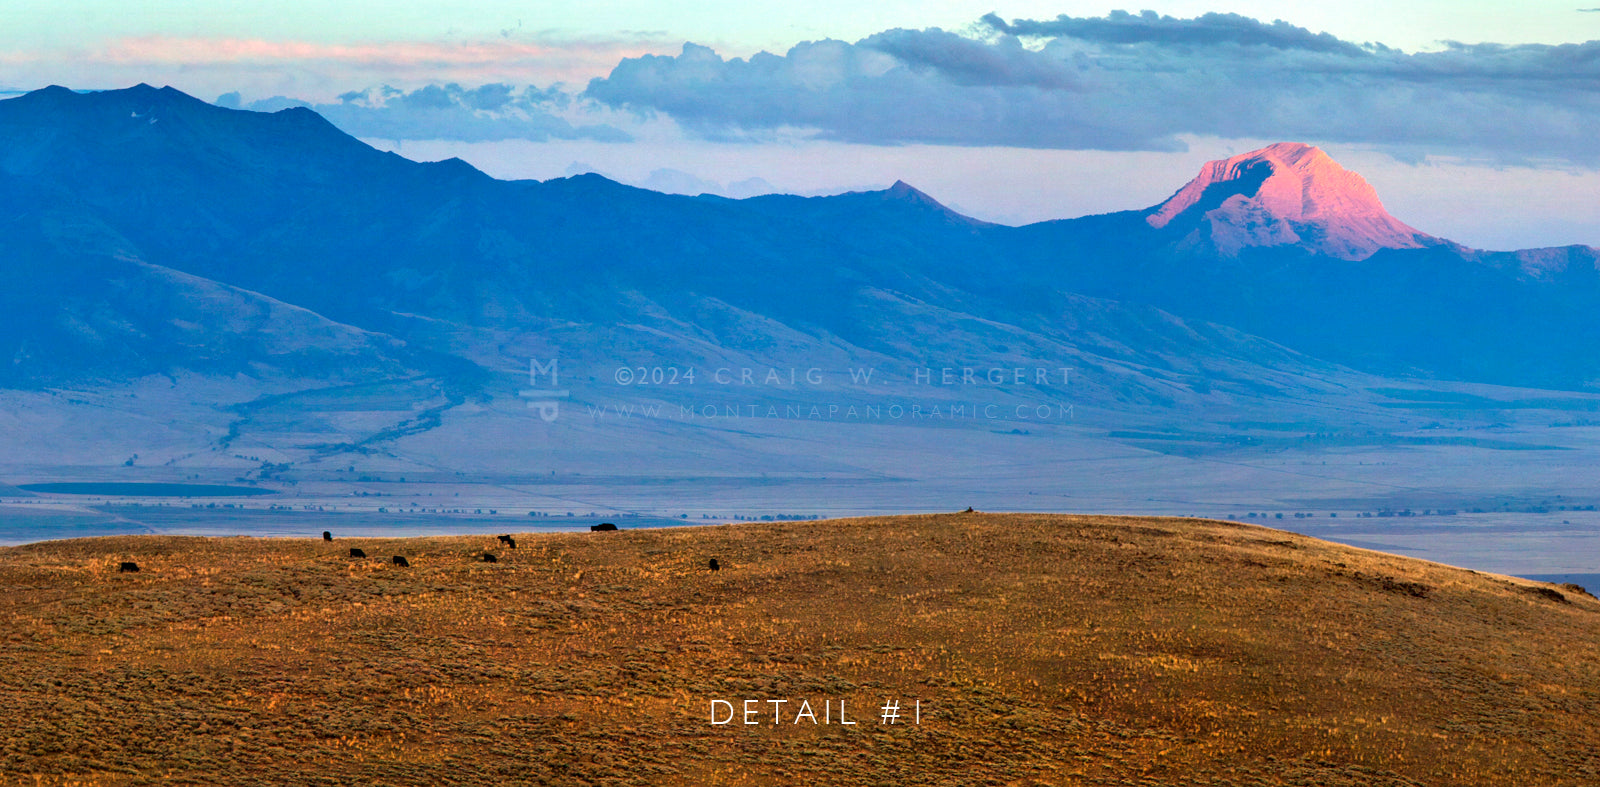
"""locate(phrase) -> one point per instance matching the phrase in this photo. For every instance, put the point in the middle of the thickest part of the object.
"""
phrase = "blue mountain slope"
(81, 306)
(287, 206)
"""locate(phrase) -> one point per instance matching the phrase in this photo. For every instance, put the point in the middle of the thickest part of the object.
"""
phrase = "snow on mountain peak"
(1286, 194)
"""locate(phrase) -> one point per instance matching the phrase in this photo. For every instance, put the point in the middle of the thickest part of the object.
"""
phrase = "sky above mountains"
(1470, 118)
(737, 27)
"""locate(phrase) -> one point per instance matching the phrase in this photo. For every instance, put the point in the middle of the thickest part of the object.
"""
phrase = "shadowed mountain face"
(290, 210)
(81, 305)
(281, 214)
(287, 205)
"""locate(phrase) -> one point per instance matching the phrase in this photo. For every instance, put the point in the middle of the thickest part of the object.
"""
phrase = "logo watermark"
(546, 400)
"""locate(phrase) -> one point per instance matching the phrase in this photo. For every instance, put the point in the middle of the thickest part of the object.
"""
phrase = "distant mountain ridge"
(1263, 255)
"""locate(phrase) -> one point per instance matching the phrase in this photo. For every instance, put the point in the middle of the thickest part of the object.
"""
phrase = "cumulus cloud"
(1133, 82)
(1121, 27)
(485, 113)
(898, 86)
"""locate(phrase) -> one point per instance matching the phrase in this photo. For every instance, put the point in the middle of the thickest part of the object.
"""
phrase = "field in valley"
(1043, 649)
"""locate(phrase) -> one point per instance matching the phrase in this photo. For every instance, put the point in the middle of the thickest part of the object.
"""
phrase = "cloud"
(398, 60)
(429, 101)
(898, 86)
(317, 71)
(1121, 27)
(448, 112)
(1132, 82)
(966, 62)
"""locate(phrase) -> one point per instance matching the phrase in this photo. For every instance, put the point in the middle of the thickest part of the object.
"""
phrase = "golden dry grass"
(1044, 649)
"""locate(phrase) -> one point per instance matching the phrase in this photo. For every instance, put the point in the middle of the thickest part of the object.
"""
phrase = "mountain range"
(151, 233)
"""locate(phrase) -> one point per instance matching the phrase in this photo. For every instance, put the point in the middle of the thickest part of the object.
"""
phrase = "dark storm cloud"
(1134, 82)
(485, 113)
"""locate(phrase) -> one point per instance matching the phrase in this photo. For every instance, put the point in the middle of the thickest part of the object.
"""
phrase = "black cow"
(128, 567)
(603, 527)
(508, 541)
(489, 558)
(714, 565)
(357, 553)
(326, 536)
(401, 562)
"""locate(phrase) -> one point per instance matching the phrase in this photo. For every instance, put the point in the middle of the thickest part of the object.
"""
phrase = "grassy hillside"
(1043, 649)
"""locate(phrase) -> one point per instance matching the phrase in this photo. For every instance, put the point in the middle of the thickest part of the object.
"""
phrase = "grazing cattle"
(401, 562)
(714, 565)
(508, 541)
(128, 567)
(326, 536)
(603, 527)
(357, 553)
(968, 511)
(488, 558)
